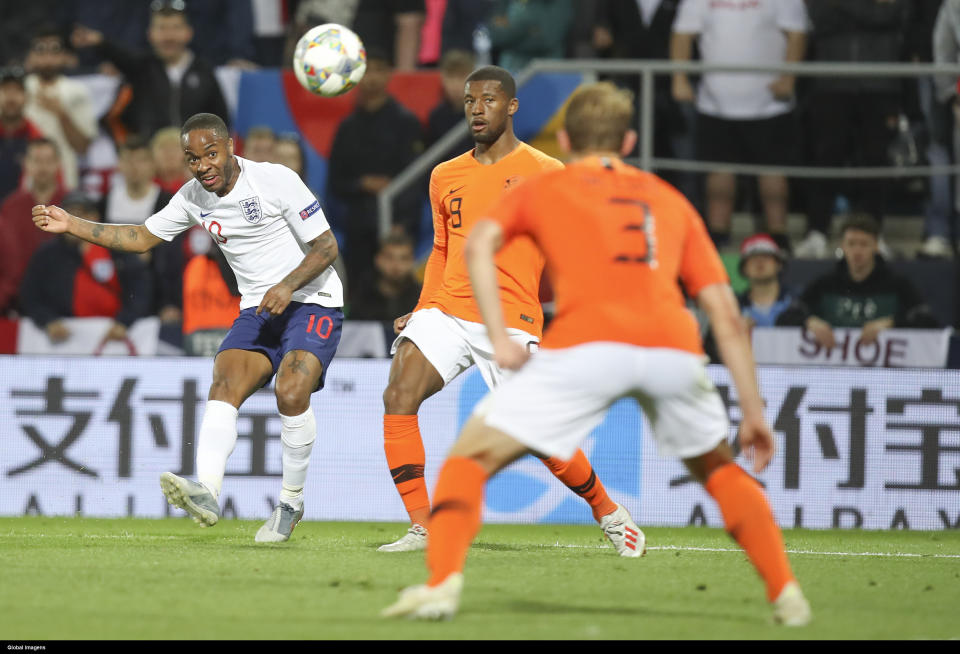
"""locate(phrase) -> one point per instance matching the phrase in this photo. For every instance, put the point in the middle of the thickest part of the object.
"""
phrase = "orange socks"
(578, 475)
(749, 520)
(455, 519)
(406, 458)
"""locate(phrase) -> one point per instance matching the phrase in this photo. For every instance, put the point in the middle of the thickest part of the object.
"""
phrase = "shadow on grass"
(554, 608)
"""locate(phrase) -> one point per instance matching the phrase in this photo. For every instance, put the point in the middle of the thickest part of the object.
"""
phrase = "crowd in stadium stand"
(165, 53)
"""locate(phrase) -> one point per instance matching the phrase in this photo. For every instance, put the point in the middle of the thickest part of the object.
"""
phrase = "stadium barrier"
(589, 69)
(857, 447)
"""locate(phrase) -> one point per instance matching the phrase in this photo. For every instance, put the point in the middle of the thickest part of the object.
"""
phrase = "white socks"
(297, 434)
(218, 436)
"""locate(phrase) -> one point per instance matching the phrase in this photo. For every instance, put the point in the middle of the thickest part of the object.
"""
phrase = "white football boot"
(791, 608)
(624, 533)
(414, 540)
(428, 603)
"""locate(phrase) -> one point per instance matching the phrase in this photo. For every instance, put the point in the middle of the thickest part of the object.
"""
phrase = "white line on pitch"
(732, 549)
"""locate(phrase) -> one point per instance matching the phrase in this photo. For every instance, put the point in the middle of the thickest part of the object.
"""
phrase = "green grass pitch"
(75, 578)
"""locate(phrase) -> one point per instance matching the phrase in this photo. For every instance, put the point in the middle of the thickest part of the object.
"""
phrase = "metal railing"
(647, 69)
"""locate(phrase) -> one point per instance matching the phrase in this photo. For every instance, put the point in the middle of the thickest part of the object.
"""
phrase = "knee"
(292, 401)
(401, 399)
(221, 391)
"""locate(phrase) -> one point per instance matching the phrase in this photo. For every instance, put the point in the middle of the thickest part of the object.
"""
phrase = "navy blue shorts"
(308, 327)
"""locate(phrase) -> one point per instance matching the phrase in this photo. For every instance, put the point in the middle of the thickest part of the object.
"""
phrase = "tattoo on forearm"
(321, 255)
(97, 231)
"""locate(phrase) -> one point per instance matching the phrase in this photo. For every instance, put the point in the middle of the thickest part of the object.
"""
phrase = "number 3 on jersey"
(637, 238)
(456, 220)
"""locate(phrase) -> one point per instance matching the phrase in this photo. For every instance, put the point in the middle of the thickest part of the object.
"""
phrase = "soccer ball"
(329, 60)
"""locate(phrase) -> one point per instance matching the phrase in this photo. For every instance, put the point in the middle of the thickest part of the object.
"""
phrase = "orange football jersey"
(616, 241)
(462, 190)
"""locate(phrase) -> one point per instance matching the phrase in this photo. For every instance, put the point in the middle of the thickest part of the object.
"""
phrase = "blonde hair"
(598, 116)
(166, 135)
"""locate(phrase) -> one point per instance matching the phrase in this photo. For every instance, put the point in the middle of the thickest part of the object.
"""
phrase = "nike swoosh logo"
(204, 215)
(456, 189)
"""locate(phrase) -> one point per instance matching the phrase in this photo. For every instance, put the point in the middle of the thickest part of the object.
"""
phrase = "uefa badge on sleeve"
(251, 210)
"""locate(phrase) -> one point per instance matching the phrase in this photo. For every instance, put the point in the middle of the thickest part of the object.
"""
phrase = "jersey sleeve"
(700, 265)
(690, 16)
(792, 16)
(301, 209)
(173, 219)
(437, 262)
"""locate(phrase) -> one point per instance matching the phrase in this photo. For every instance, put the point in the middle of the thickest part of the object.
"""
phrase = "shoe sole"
(177, 496)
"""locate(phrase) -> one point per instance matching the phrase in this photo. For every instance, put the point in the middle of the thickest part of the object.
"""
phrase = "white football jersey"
(262, 226)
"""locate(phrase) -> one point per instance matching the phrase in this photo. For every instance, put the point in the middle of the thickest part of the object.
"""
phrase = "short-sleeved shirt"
(741, 32)
(461, 191)
(616, 241)
(262, 226)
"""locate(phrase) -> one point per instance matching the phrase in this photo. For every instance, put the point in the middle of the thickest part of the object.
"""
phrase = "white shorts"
(452, 345)
(553, 403)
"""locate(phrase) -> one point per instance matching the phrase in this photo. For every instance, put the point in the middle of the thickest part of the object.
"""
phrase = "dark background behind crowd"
(165, 53)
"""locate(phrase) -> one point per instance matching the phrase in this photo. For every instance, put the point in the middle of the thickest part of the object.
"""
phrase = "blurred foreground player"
(616, 240)
(444, 335)
(259, 214)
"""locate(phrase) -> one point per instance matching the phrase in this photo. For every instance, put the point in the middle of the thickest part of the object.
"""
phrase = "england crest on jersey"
(251, 210)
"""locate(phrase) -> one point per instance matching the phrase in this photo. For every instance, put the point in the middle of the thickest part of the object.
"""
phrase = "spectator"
(15, 129)
(391, 289)
(465, 27)
(270, 28)
(259, 144)
(642, 30)
(523, 30)
(19, 20)
(861, 292)
(126, 22)
(942, 225)
(70, 278)
(761, 263)
(853, 119)
(19, 238)
(742, 118)
(60, 107)
(289, 152)
(392, 27)
(134, 197)
(431, 34)
(226, 27)
(211, 298)
(169, 84)
(455, 66)
(172, 172)
(372, 145)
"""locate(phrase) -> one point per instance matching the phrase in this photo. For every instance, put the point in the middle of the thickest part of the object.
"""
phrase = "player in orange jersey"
(616, 241)
(443, 336)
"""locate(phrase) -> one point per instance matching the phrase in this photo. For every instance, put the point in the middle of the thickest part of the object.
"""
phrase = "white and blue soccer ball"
(329, 60)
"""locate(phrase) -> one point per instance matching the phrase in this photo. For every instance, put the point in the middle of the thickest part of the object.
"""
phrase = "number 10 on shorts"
(323, 326)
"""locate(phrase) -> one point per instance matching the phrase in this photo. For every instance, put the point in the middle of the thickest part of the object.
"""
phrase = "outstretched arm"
(323, 252)
(126, 238)
(733, 343)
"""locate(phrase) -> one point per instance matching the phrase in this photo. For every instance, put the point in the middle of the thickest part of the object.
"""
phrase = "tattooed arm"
(127, 238)
(323, 252)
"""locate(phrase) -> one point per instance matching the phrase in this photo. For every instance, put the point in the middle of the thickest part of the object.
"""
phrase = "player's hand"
(872, 329)
(822, 333)
(782, 87)
(50, 103)
(510, 355)
(400, 323)
(51, 218)
(682, 89)
(57, 331)
(756, 441)
(117, 332)
(276, 300)
(84, 37)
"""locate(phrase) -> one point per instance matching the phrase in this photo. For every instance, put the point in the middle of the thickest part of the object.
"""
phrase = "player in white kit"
(277, 241)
